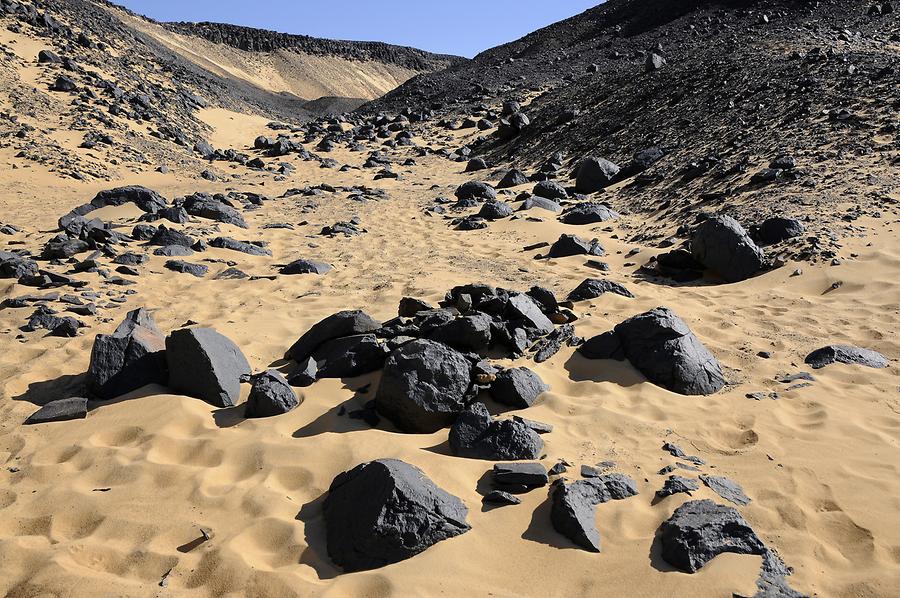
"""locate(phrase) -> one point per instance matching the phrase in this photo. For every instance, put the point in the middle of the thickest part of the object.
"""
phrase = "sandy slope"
(110, 504)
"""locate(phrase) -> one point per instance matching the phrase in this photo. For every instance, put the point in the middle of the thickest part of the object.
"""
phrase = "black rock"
(303, 266)
(270, 395)
(467, 333)
(349, 356)
(726, 488)
(495, 210)
(409, 307)
(550, 190)
(572, 512)
(724, 247)
(776, 230)
(386, 511)
(523, 308)
(242, 246)
(700, 530)
(423, 386)
(472, 223)
(60, 410)
(475, 190)
(568, 245)
(64, 83)
(676, 484)
(663, 348)
(591, 288)
(499, 497)
(512, 178)
(476, 435)
(607, 345)
(146, 199)
(846, 354)
(539, 202)
(517, 387)
(173, 251)
(530, 475)
(48, 57)
(476, 164)
(338, 325)
(198, 270)
(588, 213)
(207, 206)
(206, 365)
(131, 259)
(131, 357)
(306, 374)
(165, 236)
(595, 174)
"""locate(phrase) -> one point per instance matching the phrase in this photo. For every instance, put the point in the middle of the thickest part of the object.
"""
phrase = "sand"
(114, 504)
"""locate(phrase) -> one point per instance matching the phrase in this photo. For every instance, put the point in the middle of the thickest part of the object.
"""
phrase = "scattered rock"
(206, 365)
(846, 354)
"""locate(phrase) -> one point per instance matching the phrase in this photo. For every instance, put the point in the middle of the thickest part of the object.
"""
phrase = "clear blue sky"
(462, 27)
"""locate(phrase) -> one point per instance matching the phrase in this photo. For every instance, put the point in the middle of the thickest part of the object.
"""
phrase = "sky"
(461, 27)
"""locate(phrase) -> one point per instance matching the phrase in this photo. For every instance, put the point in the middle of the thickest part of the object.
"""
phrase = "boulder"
(338, 325)
(207, 206)
(206, 365)
(146, 199)
(495, 210)
(522, 307)
(476, 435)
(724, 247)
(663, 348)
(589, 212)
(270, 395)
(468, 333)
(591, 288)
(423, 386)
(242, 246)
(594, 174)
(572, 511)
(700, 530)
(517, 387)
(349, 356)
(60, 410)
(846, 354)
(386, 511)
(512, 178)
(164, 237)
(539, 202)
(304, 266)
(475, 190)
(182, 267)
(776, 230)
(550, 190)
(131, 357)
(410, 306)
(530, 475)
(568, 245)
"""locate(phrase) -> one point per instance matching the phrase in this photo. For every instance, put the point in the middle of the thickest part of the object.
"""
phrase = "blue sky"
(463, 27)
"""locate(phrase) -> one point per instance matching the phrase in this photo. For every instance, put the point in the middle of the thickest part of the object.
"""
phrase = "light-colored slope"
(820, 463)
(303, 75)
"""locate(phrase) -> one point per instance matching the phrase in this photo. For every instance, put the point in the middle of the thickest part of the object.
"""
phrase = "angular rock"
(591, 288)
(727, 489)
(242, 246)
(499, 497)
(338, 325)
(131, 357)
(303, 266)
(476, 435)
(595, 174)
(676, 484)
(349, 356)
(423, 386)
(59, 411)
(550, 190)
(523, 307)
(270, 395)
(572, 512)
(386, 511)
(724, 247)
(568, 245)
(847, 354)
(207, 206)
(512, 178)
(182, 267)
(475, 190)
(467, 333)
(590, 212)
(663, 348)
(530, 475)
(165, 236)
(206, 365)
(517, 387)
(495, 210)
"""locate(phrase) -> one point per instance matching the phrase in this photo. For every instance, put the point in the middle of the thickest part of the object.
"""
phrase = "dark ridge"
(261, 40)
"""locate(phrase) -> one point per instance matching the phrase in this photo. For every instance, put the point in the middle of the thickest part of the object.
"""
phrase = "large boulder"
(131, 357)
(423, 386)
(524, 309)
(663, 348)
(572, 511)
(550, 190)
(777, 229)
(700, 530)
(595, 174)
(591, 288)
(338, 325)
(568, 245)
(475, 190)
(724, 247)
(512, 178)
(468, 333)
(476, 435)
(146, 199)
(495, 210)
(206, 365)
(386, 511)
(517, 387)
(207, 206)
(349, 356)
(270, 395)
(590, 212)
(846, 354)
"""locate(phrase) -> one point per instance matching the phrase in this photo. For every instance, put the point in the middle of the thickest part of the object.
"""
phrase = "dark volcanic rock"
(512, 178)
(165, 236)
(700, 530)
(349, 356)
(588, 213)
(591, 288)
(198, 270)
(726, 488)
(607, 345)
(776, 230)
(206, 365)
(499, 497)
(270, 395)
(517, 387)
(338, 325)
(59, 411)
(676, 484)
(410, 306)
(568, 245)
(475, 190)
(495, 210)
(595, 174)
(845, 354)
(129, 358)
(476, 435)
(550, 190)
(303, 266)
(146, 199)
(386, 511)
(207, 206)
(531, 475)
(572, 513)
(423, 386)
(723, 246)
(663, 348)
(242, 246)
(467, 333)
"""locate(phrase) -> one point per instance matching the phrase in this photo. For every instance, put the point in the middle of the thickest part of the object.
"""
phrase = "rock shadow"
(540, 529)
(316, 553)
(582, 369)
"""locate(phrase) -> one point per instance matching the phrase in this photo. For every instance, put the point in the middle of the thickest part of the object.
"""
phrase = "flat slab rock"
(846, 354)
(60, 410)
(572, 511)
(532, 475)
(727, 489)
(386, 511)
